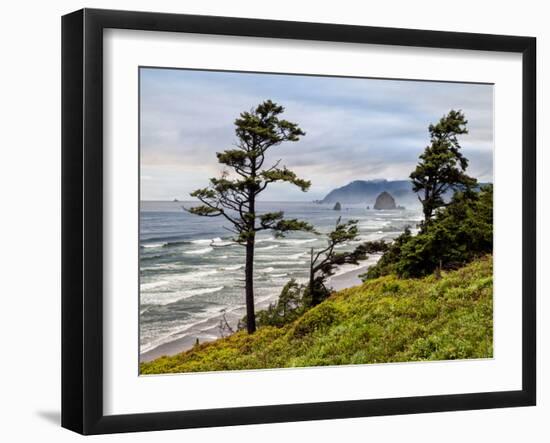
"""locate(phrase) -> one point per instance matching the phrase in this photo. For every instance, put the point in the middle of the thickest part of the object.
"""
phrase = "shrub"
(459, 233)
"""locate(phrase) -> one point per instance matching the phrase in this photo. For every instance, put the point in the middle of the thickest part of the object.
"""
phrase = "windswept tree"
(442, 166)
(233, 196)
(324, 261)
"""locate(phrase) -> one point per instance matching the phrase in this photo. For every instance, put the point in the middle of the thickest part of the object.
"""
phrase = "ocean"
(192, 274)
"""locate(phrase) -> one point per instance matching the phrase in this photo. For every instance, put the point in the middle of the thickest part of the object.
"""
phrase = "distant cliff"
(385, 201)
(365, 192)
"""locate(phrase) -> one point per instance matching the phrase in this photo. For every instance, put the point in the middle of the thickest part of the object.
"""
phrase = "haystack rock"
(337, 206)
(385, 201)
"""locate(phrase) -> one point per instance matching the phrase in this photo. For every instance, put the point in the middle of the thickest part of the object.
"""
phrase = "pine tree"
(234, 196)
(324, 261)
(442, 166)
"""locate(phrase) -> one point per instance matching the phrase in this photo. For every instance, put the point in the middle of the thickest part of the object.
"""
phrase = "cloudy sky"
(356, 129)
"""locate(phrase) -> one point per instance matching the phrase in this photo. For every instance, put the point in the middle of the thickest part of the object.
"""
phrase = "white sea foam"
(267, 270)
(199, 251)
(193, 276)
(153, 245)
(176, 278)
(232, 268)
(265, 248)
(289, 263)
(205, 241)
(220, 243)
(290, 257)
(162, 266)
(295, 241)
(152, 285)
(172, 333)
(296, 256)
(166, 298)
(263, 240)
(279, 275)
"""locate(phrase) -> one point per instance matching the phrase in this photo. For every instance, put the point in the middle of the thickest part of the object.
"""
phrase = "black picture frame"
(82, 218)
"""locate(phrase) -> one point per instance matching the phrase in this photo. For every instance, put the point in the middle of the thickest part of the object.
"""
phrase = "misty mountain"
(366, 191)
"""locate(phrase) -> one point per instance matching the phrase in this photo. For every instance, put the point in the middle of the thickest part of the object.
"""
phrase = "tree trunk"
(249, 286)
(426, 206)
(249, 265)
(311, 278)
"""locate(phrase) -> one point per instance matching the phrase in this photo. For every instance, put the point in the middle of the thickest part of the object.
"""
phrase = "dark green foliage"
(452, 233)
(323, 262)
(375, 246)
(459, 233)
(234, 196)
(392, 254)
(442, 166)
(296, 299)
(289, 306)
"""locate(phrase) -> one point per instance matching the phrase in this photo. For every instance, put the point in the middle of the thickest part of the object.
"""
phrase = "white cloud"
(355, 128)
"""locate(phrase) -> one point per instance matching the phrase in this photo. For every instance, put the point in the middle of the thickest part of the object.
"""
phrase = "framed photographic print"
(269, 221)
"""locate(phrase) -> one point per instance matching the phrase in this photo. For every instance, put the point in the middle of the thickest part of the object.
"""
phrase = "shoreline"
(350, 278)
(207, 330)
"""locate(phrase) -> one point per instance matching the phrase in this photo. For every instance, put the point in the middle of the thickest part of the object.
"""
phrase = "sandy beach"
(348, 277)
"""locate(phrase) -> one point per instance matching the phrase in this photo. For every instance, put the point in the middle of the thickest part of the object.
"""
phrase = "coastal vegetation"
(234, 197)
(442, 165)
(453, 232)
(387, 319)
(429, 296)
(295, 299)
(456, 235)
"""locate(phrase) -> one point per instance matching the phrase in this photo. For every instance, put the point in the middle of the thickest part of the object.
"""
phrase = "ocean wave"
(279, 275)
(193, 276)
(291, 257)
(232, 268)
(199, 251)
(267, 270)
(296, 241)
(221, 244)
(179, 331)
(205, 241)
(201, 291)
(296, 256)
(175, 278)
(214, 242)
(162, 266)
(265, 248)
(172, 244)
(288, 263)
(152, 285)
(152, 245)
(168, 298)
(263, 240)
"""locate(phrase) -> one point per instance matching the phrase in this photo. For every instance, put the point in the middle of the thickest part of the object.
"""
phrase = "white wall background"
(30, 219)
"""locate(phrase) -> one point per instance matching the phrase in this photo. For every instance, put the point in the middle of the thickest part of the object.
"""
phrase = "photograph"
(296, 221)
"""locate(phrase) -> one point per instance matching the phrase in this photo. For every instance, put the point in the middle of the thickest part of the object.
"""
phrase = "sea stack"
(337, 206)
(385, 201)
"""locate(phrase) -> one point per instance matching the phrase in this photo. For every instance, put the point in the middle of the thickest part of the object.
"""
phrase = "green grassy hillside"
(384, 320)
